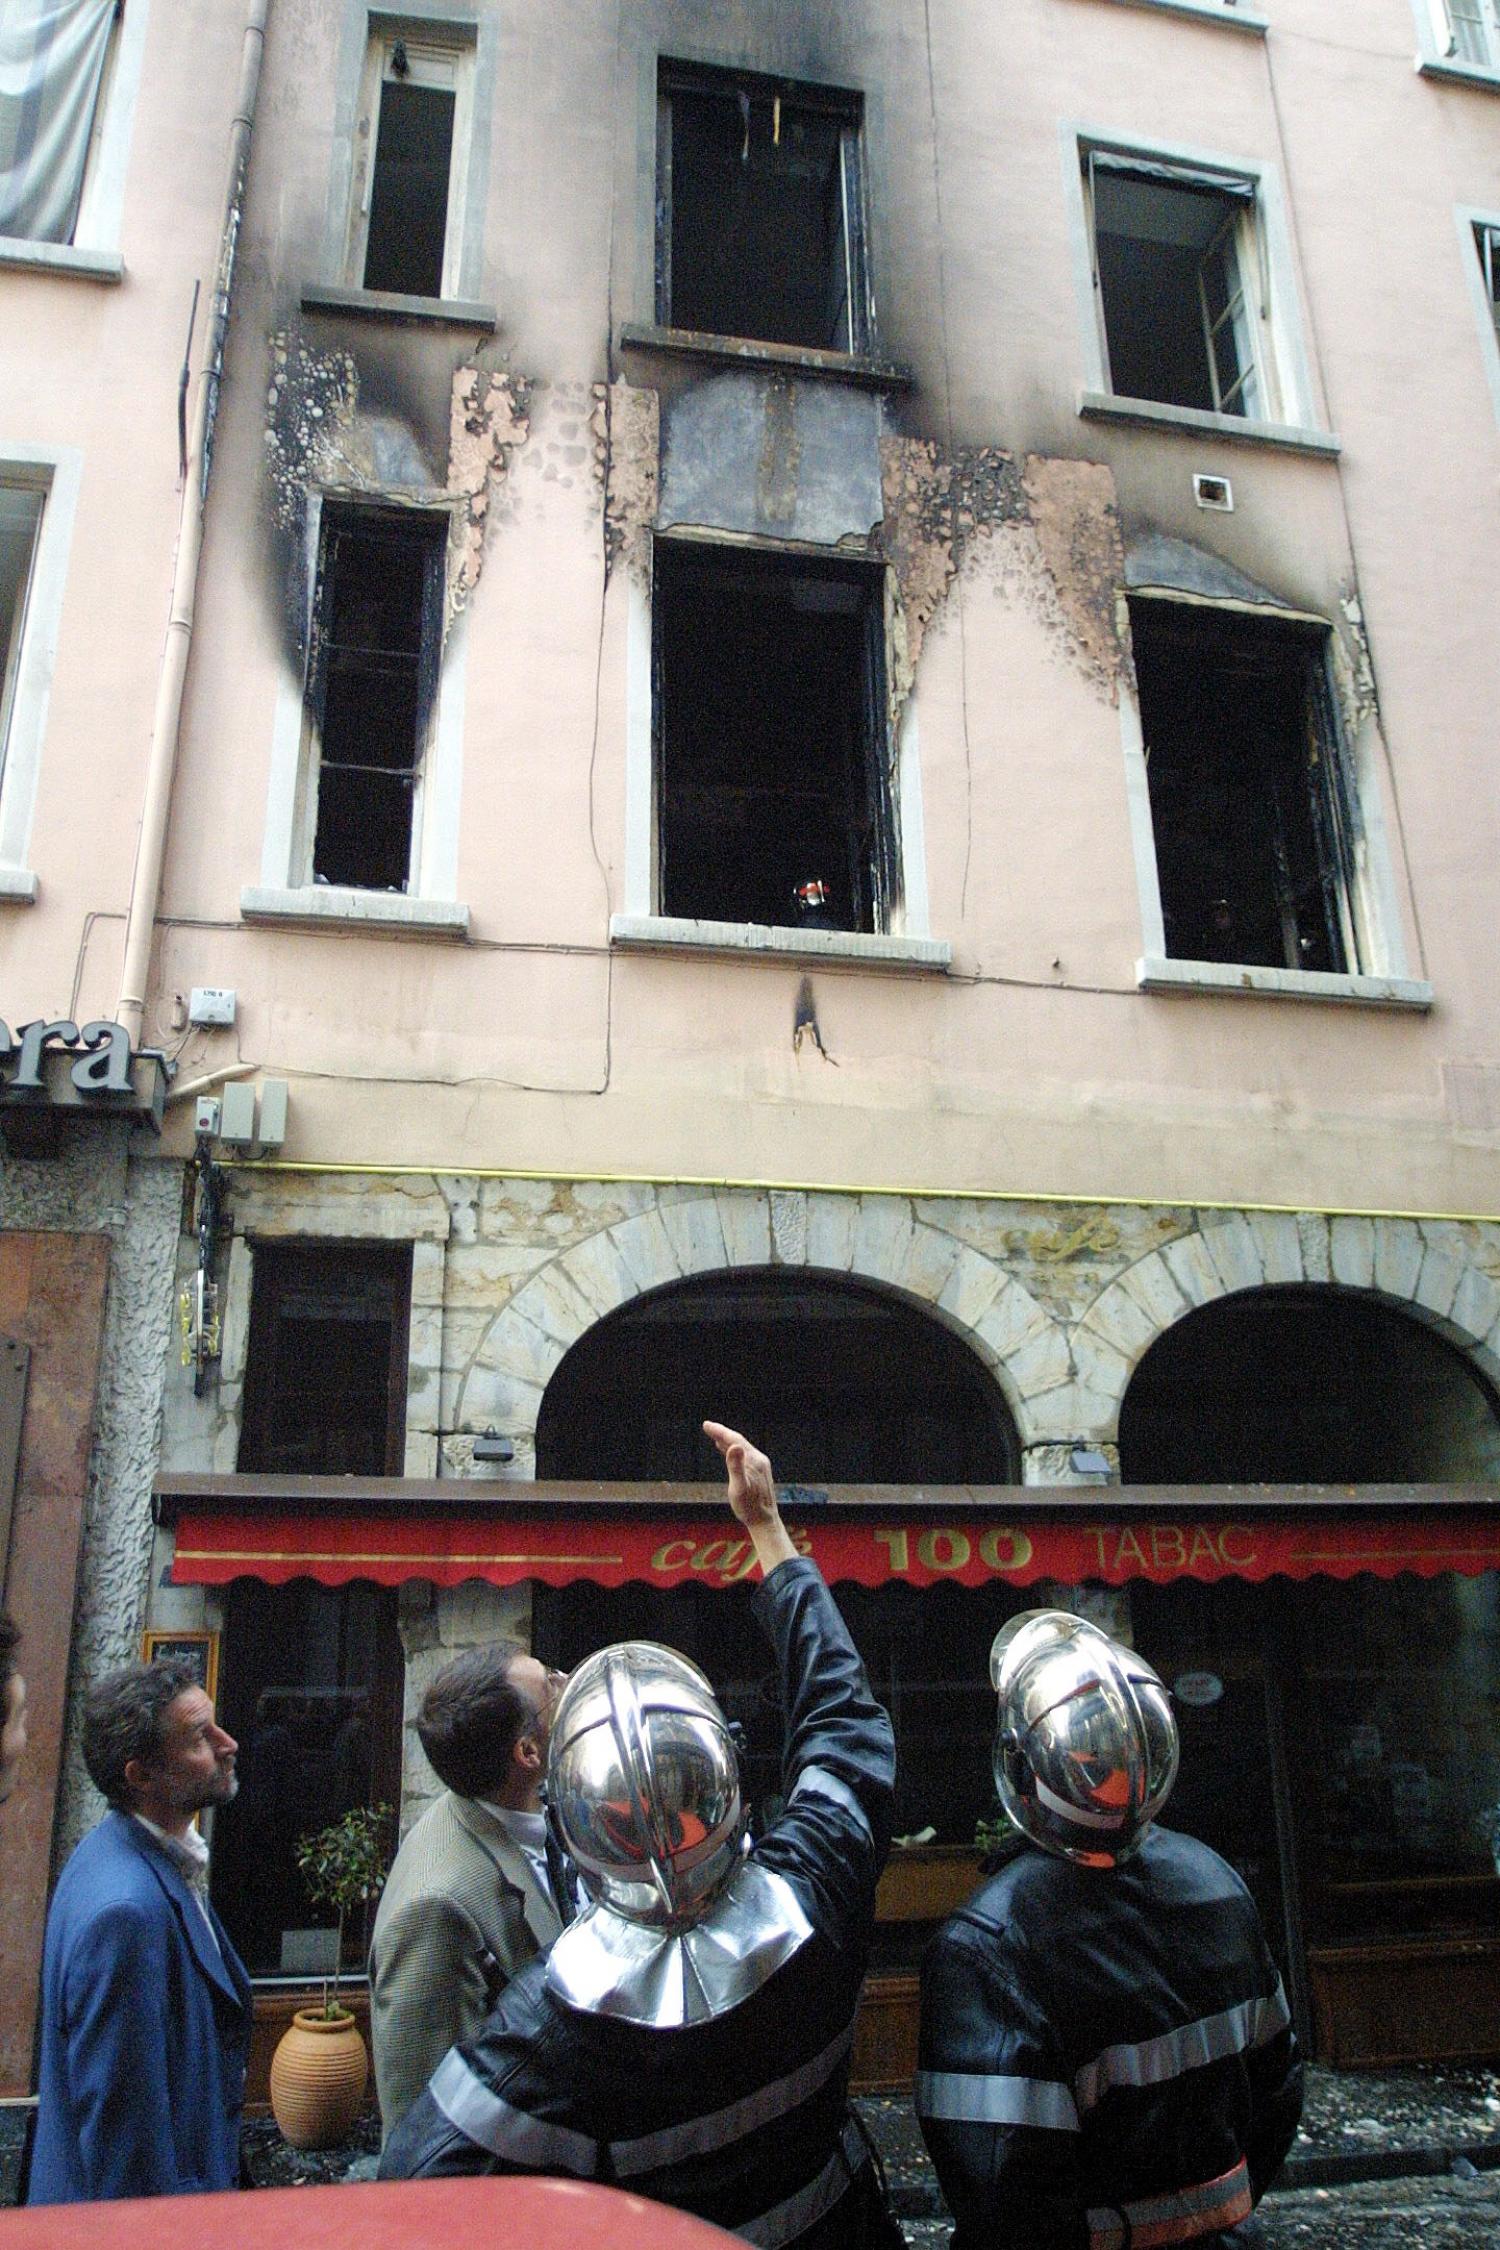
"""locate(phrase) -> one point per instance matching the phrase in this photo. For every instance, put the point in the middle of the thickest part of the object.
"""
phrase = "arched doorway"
(842, 1383)
(1338, 1736)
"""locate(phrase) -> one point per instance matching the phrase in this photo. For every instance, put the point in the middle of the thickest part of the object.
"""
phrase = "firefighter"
(688, 2037)
(1106, 2056)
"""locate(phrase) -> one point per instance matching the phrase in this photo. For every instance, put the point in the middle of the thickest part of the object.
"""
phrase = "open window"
(1468, 31)
(20, 525)
(759, 214)
(1181, 278)
(375, 652)
(774, 801)
(55, 60)
(1253, 810)
(411, 144)
(325, 1372)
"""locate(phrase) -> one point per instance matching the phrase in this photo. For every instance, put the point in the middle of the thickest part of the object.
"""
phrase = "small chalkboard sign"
(197, 1652)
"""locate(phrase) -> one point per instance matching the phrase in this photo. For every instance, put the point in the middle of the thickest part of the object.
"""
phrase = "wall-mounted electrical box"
(253, 1117)
(212, 1004)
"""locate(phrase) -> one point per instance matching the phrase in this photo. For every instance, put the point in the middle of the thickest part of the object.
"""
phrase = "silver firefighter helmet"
(643, 1785)
(1085, 1740)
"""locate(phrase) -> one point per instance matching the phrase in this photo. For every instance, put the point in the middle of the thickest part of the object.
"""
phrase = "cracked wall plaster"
(490, 422)
(626, 427)
(1044, 533)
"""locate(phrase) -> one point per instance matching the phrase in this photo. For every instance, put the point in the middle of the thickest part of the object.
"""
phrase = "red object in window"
(399, 2215)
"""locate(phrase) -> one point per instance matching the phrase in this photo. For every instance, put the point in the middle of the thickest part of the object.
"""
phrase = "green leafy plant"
(995, 1831)
(344, 1866)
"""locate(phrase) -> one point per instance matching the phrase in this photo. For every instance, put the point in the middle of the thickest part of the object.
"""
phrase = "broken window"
(1469, 31)
(1252, 809)
(53, 60)
(372, 679)
(759, 228)
(20, 519)
(413, 131)
(774, 801)
(1180, 270)
(325, 1374)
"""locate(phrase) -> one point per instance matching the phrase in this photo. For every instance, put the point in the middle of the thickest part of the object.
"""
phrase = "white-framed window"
(410, 178)
(1479, 235)
(38, 499)
(1239, 15)
(1462, 33)
(1261, 859)
(69, 74)
(1191, 302)
(367, 749)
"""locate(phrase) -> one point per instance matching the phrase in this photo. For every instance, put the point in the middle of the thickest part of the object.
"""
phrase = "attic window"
(759, 217)
(1180, 272)
(773, 792)
(377, 642)
(1252, 811)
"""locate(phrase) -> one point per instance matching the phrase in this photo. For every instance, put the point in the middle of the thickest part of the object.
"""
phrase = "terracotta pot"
(318, 2077)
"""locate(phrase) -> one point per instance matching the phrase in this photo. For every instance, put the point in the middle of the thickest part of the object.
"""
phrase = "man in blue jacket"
(145, 2005)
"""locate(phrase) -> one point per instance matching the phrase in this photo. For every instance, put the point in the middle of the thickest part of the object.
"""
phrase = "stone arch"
(685, 1233)
(1425, 1268)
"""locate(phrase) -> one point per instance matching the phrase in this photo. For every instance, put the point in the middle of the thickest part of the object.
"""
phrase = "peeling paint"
(490, 421)
(1077, 523)
(1047, 535)
(626, 427)
(1354, 677)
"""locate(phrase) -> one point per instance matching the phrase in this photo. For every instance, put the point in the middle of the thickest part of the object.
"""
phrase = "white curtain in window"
(51, 62)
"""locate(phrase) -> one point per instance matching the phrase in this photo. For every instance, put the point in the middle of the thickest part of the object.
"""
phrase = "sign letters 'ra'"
(103, 1049)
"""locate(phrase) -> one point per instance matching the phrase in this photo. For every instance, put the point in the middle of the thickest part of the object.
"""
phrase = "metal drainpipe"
(145, 885)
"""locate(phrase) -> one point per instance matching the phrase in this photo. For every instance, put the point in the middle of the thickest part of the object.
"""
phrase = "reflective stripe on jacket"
(1095, 2041)
(744, 2119)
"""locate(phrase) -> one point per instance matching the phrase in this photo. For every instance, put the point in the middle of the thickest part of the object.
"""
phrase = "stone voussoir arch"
(1419, 1267)
(871, 1238)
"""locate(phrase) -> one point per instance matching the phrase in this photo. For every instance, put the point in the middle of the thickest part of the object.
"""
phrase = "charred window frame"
(375, 650)
(773, 743)
(407, 206)
(1254, 806)
(760, 215)
(1182, 285)
(326, 1360)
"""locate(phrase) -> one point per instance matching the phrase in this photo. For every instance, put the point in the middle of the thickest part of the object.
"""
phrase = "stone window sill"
(669, 933)
(18, 886)
(1104, 406)
(1156, 975)
(1460, 73)
(61, 258)
(389, 304)
(1209, 11)
(363, 913)
(741, 351)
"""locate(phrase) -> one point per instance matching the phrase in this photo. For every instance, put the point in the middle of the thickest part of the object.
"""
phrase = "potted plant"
(320, 2068)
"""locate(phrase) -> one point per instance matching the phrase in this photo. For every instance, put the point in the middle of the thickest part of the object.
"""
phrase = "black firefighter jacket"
(743, 2119)
(1097, 2043)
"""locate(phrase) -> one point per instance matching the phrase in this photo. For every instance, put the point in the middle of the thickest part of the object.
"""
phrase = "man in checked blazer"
(470, 1898)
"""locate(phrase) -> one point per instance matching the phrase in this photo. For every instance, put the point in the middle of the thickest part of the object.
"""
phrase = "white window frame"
(1292, 414)
(442, 57)
(1371, 903)
(1473, 224)
(94, 252)
(1459, 39)
(287, 892)
(57, 473)
(1231, 13)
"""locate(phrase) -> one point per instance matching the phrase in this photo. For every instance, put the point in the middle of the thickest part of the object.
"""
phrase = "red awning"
(1241, 1533)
